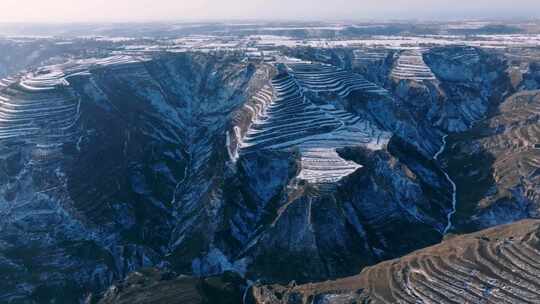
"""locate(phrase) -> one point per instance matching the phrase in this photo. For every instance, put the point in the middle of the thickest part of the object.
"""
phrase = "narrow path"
(454, 188)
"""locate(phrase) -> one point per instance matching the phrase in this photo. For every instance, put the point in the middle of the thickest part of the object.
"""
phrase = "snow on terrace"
(34, 111)
(326, 78)
(40, 107)
(51, 77)
(46, 80)
(5, 82)
(411, 66)
(289, 120)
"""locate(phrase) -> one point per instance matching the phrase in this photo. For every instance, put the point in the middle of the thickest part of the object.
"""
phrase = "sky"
(194, 10)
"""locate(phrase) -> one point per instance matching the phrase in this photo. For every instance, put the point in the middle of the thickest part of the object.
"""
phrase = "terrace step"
(410, 65)
(40, 107)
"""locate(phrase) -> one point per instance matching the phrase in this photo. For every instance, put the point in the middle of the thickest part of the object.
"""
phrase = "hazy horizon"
(36, 11)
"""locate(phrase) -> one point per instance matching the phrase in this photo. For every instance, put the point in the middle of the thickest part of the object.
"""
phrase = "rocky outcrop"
(499, 265)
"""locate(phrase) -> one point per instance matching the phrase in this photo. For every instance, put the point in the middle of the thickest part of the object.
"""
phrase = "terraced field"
(5, 82)
(499, 265)
(35, 110)
(40, 107)
(326, 78)
(410, 65)
(287, 119)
